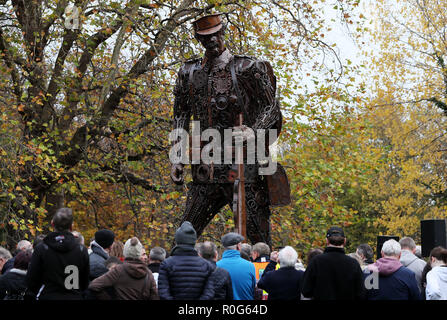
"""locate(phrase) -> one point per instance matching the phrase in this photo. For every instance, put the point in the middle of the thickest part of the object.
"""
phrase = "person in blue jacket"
(242, 272)
(388, 279)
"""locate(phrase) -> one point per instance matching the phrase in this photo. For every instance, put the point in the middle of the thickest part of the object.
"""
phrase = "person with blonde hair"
(117, 250)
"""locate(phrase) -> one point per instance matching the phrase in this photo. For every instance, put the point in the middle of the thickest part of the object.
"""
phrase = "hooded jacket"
(97, 258)
(59, 268)
(409, 260)
(395, 282)
(437, 283)
(131, 280)
(185, 276)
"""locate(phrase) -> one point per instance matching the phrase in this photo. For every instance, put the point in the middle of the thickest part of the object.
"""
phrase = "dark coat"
(396, 282)
(185, 276)
(282, 284)
(333, 276)
(97, 259)
(154, 267)
(13, 282)
(223, 288)
(47, 273)
(131, 280)
(8, 265)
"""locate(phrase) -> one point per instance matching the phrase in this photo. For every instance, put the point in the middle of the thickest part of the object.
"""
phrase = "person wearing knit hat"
(131, 280)
(185, 275)
(105, 238)
(133, 249)
(186, 234)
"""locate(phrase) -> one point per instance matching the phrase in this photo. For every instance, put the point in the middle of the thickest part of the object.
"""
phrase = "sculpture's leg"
(258, 212)
(203, 202)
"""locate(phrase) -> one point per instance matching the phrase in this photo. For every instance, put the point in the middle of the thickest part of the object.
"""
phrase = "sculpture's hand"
(177, 173)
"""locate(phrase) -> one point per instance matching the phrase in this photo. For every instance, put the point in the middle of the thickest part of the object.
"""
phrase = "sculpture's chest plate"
(214, 103)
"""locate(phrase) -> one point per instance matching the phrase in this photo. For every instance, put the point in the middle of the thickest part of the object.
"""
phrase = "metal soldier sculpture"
(220, 90)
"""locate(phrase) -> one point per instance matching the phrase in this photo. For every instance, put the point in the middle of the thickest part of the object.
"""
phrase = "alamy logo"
(72, 17)
(72, 280)
(190, 150)
(372, 281)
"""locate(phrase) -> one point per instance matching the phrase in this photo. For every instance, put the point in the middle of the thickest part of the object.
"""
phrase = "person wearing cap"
(131, 280)
(216, 90)
(242, 272)
(333, 275)
(100, 247)
(185, 275)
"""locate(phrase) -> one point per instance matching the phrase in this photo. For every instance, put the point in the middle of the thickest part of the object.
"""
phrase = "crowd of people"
(59, 266)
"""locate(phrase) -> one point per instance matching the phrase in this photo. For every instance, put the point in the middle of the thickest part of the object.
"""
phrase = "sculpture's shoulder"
(185, 68)
(251, 65)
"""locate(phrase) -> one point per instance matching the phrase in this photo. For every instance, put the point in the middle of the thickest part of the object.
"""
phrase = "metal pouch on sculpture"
(279, 187)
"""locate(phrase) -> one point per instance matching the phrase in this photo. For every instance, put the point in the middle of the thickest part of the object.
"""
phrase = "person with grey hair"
(410, 260)
(366, 254)
(223, 289)
(284, 283)
(59, 266)
(246, 251)
(156, 256)
(5, 255)
(390, 279)
(22, 245)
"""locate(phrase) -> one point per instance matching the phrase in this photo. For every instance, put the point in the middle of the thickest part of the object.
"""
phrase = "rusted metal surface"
(215, 90)
(279, 187)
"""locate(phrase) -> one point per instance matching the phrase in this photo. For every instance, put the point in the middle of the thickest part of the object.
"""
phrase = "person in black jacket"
(101, 247)
(223, 288)
(333, 275)
(284, 283)
(59, 267)
(185, 275)
(12, 284)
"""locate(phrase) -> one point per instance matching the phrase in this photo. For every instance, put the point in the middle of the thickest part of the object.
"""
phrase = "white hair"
(24, 245)
(391, 248)
(287, 257)
(5, 254)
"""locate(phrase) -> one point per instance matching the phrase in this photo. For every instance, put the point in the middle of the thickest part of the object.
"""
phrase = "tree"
(407, 110)
(86, 101)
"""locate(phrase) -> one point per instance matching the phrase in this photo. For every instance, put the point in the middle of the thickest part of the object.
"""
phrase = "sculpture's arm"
(268, 113)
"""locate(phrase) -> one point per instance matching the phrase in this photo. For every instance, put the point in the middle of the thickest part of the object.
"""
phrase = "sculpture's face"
(213, 43)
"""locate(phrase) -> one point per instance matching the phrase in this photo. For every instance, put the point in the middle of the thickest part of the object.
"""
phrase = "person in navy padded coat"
(185, 275)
